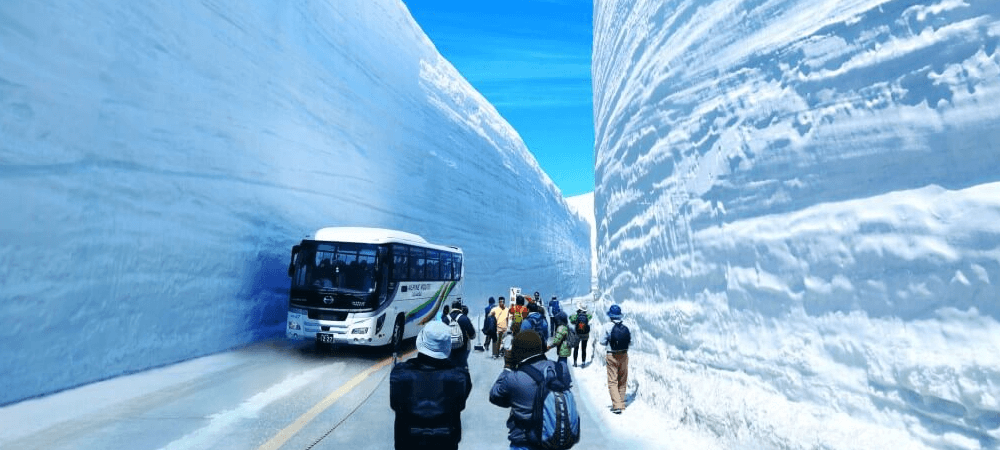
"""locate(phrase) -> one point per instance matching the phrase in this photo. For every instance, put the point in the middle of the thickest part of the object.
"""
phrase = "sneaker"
(616, 411)
(574, 364)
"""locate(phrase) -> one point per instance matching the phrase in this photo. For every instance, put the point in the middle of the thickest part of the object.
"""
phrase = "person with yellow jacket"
(501, 314)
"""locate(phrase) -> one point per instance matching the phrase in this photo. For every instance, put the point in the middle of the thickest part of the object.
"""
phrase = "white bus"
(368, 286)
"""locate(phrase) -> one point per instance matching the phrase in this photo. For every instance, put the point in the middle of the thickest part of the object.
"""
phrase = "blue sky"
(531, 59)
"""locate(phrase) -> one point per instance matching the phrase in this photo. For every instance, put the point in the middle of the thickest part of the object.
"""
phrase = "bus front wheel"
(397, 335)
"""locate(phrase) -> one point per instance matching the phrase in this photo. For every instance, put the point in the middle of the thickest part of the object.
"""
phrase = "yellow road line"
(284, 435)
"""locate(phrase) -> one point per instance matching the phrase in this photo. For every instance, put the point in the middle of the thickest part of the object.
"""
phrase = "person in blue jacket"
(554, 310)
(516, 389)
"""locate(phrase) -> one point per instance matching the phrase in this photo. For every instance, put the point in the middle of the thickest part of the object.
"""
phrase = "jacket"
(561, 343)
(515, 309)
(554, 308)
(516, 390)
(606, 336)
(501, 314)
(428, 396)
(536, 321)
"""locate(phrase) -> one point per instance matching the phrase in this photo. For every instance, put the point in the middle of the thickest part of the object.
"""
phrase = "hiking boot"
(574, 364)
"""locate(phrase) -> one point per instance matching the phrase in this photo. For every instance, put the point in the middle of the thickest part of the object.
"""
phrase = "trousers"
(617, 378)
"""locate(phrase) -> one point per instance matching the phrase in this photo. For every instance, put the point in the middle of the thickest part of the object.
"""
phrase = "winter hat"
(457, 304)
(526, 345)
(581, 307)
(435, 340)
(492, 300)
(561, 318)
(615, 312)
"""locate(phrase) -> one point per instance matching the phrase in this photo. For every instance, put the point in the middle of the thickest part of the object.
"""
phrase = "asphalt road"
(271, 395)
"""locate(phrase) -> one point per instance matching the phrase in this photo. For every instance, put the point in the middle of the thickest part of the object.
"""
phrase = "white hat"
(581, 307)
(435, 340)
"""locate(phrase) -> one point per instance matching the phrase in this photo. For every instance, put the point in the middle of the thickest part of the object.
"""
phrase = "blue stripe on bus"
(425, 312)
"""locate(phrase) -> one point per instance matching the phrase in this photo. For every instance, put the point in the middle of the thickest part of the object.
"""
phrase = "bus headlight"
(360, 330)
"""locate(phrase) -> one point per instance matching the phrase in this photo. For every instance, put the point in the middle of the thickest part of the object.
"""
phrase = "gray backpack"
(457, 336)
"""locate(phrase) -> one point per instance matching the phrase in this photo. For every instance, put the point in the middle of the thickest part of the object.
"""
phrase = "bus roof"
(373, 236)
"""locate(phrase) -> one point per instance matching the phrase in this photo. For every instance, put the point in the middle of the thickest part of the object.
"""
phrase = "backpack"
(517, 315)
(427, 408)
(620, 337)
(536, 322)
(457, 336)
(490, 325)
(582, 323)
(555, 423)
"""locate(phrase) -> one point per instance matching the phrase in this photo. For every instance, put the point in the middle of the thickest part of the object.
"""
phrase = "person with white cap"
(580, 321)
(617, 338)
(462, 332)
(428, 393)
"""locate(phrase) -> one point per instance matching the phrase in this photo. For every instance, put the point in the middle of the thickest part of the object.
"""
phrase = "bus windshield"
(336, 266)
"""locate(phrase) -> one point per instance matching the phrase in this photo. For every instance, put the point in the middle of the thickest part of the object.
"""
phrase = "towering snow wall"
(800, 201)
(159, 159)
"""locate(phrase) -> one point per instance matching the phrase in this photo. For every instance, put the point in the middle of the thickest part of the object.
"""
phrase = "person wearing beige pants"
(501, 313)
(617, 338)
(617, 378)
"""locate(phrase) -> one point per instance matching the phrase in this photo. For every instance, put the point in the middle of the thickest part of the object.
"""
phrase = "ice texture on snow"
(159, 160)
(798, 205)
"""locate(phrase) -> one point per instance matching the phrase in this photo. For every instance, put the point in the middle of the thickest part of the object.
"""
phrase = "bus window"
(458, 265)
(417, 260)
(366, 269)
(400, 266)
(446, 266)
(432, 269)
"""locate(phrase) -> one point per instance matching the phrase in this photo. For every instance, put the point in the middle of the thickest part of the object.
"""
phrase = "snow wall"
(799, 201)
(159, 159)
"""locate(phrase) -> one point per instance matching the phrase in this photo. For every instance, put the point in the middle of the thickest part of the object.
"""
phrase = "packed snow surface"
(158, 161)
(798, 207)
(583, 205)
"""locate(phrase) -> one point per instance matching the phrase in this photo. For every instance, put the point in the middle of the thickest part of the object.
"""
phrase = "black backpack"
(490, 324)
(582, 323)
(428, 409)
(620, 337)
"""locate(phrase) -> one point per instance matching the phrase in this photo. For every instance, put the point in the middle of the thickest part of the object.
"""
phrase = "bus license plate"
(324, 338)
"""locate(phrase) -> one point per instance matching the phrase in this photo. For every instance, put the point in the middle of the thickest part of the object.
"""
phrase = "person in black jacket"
(428, 394)
(460, 355)
(489, 327)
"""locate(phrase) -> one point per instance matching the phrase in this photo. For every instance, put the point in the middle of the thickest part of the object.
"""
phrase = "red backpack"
(582, 323)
